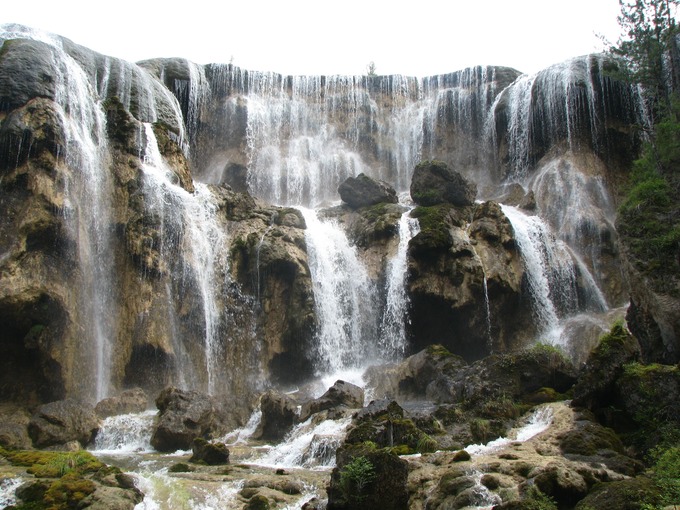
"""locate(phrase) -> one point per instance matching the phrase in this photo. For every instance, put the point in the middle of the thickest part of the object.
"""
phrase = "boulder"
(212, 454)
(367, 479)
(363, 191)
(279, 414)
(63, 421)
(13, 427)
(183, 416)
(433, 183)
(340, 394)
(129, 401)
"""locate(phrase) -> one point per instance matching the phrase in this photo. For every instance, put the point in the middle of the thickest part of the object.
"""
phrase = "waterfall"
(87, 208)
(190, 233)
(125, 433)
(344, 297)
(307, 134)
(309, 445)
(548, 267)
(393, 344)
(569, 102)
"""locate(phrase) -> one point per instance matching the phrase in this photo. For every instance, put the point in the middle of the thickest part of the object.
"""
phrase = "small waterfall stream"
(393, 342)
(344, 296)
(191, 235)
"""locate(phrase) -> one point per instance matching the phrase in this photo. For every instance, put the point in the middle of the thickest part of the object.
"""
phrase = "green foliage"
(370, 69)
(426, 444)
(355, 477)
(647, 47)
(666, 474)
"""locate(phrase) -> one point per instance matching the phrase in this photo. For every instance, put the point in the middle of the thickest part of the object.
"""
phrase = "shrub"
(355, 477)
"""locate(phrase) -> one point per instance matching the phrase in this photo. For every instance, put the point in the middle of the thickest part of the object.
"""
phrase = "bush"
(355, 477)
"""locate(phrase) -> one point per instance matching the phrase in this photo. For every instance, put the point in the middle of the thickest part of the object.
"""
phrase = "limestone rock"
(381, 485)
(433, 183)
(340, 394)
(60, 422)
(465, 282)
(279, 414)
(210, 453)
(129, 401)
(363, 191)
(183, 416)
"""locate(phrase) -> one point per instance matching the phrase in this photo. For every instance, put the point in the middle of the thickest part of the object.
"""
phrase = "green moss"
(434, 227)
(180, 467)
(68, 491)
(48, 464)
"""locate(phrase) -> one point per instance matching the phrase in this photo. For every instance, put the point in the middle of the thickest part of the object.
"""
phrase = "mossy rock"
(629, 494)
(258, 502)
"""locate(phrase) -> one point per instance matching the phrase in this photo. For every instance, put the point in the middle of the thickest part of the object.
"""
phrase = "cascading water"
(191, 233)
(344, 298)
(87, 206)
(552, 272)
(393, 342)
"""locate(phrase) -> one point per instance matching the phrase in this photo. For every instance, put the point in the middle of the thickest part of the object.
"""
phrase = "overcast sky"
(415, 38)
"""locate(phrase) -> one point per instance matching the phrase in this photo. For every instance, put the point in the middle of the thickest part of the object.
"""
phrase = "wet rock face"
(465, 281)
(129, 401)
(184, 416)
(279, 414)
(341, 394)
(363, 191)
(433, 183)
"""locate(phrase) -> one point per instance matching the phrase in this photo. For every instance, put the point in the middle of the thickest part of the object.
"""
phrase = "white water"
(308, 445)
(190, 231)
(7, 488)
(126, 434)
(87, 210)
(539, 420)
(548, 267)
(344, 298)
(393, 342)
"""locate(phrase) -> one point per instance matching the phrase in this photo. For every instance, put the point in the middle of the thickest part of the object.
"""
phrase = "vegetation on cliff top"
(649, 215)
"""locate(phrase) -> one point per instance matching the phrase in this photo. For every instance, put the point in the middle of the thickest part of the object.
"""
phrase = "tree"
(370, 69)
(649, 49)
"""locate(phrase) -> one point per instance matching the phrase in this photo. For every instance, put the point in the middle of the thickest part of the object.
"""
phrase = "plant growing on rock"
(355, 477)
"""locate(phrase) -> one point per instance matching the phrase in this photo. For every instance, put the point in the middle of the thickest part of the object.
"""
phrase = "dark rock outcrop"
(279, 414)
(363, 191)
(210, 453)
(341, 394)
(62, 422)
(184, 416)
(463, 260)
(367, 479)
(434, 183)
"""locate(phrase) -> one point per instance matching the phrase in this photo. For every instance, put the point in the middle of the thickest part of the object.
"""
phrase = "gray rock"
(340, 394)
(279, 414)
(362, 191)
(130, 401)
(63, 421)
(434, 183)
(184, 416)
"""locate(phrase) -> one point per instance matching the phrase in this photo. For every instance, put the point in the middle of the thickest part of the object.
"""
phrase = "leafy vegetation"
(355, 478)
(649, 215)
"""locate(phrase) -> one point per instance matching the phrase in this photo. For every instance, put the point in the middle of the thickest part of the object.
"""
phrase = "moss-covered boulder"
(368, 478)
(433, 183)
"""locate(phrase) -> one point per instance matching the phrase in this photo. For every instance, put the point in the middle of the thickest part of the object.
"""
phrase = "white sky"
(416, 38)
